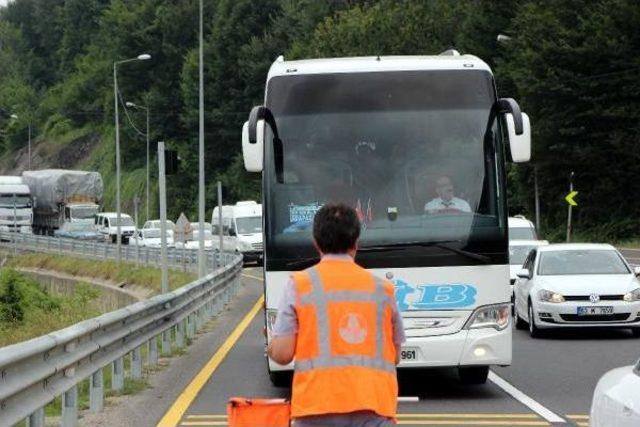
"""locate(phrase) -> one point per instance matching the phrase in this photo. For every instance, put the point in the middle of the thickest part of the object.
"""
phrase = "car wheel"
(534, 331)
(473, 375)
(520, 323)
(282, 379)
(635, 332)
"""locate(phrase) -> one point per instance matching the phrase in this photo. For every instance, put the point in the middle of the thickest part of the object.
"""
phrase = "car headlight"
(548, 296)
(632, 296)
(491, 316)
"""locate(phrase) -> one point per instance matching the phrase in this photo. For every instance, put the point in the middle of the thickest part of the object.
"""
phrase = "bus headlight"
(272, 313)
(632, 296)
(491, 316)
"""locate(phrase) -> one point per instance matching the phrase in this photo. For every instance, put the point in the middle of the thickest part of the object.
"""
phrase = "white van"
(520, 228)
(106, 224)
(243, 221)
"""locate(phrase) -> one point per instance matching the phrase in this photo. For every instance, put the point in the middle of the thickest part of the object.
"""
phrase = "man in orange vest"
(342, 326)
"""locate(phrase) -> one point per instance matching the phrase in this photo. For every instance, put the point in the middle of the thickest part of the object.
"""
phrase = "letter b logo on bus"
(444, 296)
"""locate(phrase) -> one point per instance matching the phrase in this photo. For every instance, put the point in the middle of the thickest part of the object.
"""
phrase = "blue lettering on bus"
(434, 296)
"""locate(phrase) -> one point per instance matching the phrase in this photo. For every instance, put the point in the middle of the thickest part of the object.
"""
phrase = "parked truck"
(16, 207)
(63, 196)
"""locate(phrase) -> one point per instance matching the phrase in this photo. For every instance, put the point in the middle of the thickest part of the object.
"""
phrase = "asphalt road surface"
(550, 382)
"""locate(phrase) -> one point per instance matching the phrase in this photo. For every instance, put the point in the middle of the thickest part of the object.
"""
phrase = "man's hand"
(282, 349)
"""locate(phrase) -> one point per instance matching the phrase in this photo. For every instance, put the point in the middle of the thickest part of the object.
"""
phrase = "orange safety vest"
(344, 356)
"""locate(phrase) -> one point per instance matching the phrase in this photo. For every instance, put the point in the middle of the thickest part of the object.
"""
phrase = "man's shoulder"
(460, 201)
(433, 202)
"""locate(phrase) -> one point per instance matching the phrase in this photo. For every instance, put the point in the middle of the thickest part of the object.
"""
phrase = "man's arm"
(285, 331)
(282, 349)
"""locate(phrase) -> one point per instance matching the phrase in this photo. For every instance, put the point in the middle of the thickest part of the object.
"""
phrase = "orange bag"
(244, 412)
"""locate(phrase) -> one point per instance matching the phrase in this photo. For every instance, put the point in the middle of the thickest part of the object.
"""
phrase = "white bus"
(418, 146)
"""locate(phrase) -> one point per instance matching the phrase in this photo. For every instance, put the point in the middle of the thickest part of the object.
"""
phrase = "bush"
(11, 304)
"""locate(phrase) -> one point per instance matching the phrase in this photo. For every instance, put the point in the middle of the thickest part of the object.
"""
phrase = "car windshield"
(581, 261)
(522, 233)
(398, 147)
(84, 212)
(20, 201)
(124, 221)
(154, 233)
(249, 224)
(517, 254)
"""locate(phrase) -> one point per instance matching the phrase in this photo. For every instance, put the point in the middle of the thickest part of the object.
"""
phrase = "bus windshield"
(406, 149)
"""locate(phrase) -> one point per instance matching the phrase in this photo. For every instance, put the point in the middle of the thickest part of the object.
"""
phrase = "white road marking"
(408, 399)
(536, 407)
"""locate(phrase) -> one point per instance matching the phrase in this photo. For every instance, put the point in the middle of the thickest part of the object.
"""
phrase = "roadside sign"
(184, 231)
(569, 198)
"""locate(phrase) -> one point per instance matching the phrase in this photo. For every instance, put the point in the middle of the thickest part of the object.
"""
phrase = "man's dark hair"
(336, 228)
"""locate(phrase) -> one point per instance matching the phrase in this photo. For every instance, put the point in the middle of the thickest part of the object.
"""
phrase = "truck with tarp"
(63, 197)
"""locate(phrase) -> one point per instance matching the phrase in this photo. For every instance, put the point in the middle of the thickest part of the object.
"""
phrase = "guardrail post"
(70, 407)
(96, 391)
(180, 334)
(106, 248)
(166, 344)
(36, 419)
(136, 364)
(117, 374)
(152, 354)
(59, 245)
(192, 325)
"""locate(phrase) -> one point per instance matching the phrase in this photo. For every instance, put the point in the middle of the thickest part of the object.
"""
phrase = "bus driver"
(446, 202)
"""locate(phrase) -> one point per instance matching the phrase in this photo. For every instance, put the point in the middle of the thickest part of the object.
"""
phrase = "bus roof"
(376, 63)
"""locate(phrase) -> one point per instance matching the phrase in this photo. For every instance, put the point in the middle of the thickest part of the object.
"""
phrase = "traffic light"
(171, 162)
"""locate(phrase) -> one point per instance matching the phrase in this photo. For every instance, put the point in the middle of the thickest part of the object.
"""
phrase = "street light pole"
(142, 57)
(202, 262)
(146, 109)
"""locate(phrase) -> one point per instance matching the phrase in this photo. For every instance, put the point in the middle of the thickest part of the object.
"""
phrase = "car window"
(522, 233)
(581, 261)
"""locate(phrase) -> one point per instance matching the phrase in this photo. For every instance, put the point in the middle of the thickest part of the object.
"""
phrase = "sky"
(3, 2)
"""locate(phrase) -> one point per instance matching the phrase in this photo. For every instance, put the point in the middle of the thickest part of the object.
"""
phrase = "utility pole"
(537, 198)
(117, 125)
(202, 261)
(163, 217)
(569, 209)
(220, 227)
(15, 228)
(136, 201)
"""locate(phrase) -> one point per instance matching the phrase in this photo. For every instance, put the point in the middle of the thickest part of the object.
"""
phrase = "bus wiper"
(303, 263)
(442, 244)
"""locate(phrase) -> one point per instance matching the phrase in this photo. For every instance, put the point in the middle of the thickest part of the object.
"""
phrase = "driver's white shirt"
(455, 203)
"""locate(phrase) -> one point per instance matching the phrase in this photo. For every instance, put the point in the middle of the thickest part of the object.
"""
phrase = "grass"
(149, 277)
(28, 311)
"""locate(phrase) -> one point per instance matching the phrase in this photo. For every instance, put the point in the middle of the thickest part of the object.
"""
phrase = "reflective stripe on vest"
(319, 298)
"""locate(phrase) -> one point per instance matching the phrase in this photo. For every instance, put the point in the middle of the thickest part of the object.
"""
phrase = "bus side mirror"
(520, 145)
(253, 151)
(524, 273)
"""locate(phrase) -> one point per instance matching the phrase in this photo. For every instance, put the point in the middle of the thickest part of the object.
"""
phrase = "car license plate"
(594, 311)
(409, 353)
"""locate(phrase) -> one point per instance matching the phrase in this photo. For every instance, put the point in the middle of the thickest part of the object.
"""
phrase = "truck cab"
(16, 205)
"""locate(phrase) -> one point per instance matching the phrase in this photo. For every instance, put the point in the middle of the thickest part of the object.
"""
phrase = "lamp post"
(142, 57)
(146, 109)
(202, 262)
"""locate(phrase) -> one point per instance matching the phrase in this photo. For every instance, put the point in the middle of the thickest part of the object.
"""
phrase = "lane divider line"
(527, 401)
(408, 399)
(173, 416)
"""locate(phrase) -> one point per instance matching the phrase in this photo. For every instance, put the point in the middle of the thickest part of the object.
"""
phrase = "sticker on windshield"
(303, 213)
(434, 296)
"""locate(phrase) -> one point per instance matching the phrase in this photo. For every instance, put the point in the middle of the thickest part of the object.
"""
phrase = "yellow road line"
(253, 277)
(579, 417)
(176, 411)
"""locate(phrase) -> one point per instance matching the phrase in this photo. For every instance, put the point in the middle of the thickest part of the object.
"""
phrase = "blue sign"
(434, 296)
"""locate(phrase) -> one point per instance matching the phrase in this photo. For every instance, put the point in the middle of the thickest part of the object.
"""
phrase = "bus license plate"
(594, 311)
(409, 354)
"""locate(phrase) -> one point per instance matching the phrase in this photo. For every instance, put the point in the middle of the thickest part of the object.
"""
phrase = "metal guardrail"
(34, 372)
(178, 258)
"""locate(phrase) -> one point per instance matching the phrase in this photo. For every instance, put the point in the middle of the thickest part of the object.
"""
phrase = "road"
(550, 382)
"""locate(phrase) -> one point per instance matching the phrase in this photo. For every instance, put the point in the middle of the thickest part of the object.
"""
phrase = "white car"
(151, 238)
(155, 223)
(577, 285)
(518, 251)
(521, 228)
(106, 224)
(616, 399)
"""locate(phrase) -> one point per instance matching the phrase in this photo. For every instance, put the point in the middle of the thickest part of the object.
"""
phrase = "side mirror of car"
(524, 273)
(636, 271)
